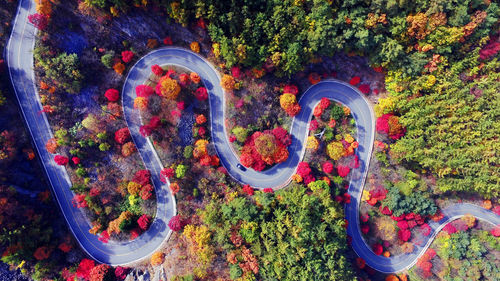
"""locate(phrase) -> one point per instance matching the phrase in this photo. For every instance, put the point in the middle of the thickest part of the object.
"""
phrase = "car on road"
(241, 167)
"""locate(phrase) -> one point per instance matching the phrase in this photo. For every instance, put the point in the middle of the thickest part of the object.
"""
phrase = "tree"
(107, 59)
(122, 135)
(112, 95)
(101, 272)
(127, 56)
(227, 82)
(157, 258)
(40, 21)
(168, 88)
(335, 150)
(180, 171)
(175, 223)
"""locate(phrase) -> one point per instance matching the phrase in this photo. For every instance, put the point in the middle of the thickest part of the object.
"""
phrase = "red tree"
(122, 135)
(355, 80)
(364, 88)
(83, 270)
(127, 56)
(404, 234)
(201, 94)
(175, 223)
(61, 160)
(377, 249)
(39, 21)
(327, 167)
(248, 189)
(142, 177)
(144, 222)
(112, 95)
(144, 91)
(290, 89)
(157, 70)
(303, 169)
(343, 171)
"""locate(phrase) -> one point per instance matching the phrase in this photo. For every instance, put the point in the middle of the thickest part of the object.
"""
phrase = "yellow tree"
(335, 150)
(44, 7)
(227, 82)
(169, 88)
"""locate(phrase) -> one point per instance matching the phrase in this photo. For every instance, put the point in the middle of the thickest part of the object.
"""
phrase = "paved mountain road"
(20, 59)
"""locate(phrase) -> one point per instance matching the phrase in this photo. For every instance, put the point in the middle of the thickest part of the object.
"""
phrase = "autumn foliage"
(265, 148)
(389, 124)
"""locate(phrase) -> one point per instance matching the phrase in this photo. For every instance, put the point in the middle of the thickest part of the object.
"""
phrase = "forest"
(430, 69)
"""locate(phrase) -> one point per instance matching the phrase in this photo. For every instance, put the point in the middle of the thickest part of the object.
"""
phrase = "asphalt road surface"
(20, 59)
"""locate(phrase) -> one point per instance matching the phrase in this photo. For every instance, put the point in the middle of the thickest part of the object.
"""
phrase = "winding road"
(20, 59)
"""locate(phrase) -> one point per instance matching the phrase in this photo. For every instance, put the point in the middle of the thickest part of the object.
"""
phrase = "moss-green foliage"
(416, 202)
(295, 236)
(451, 128)
(466, 256)
(63, 68)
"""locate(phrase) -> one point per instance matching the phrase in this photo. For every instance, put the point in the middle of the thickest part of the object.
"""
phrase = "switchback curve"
(20, 59)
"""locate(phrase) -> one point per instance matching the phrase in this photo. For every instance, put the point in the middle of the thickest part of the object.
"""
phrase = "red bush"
(290, 89)
(364, 217)
(327, 167)
(167, 41)
(324, 103)
(403, 224)
(347, 198)
(121, 272)
(364, 88)
(450, 228)
(184, 79)
(104, 237)
(146, 192)
(154, 122)
(39, 21)
(236, 72)
(343, 171)
(491, 49)
(385, 211)
(268, 190)
(303, 169)
(127, 56)
(496, 231)
(355, 80)
(282, 135)
(201, 94)
(168, 172)
(365, 229)
(248, 189)
(112, 95)
(426, 229)
(313, 125)
(144, 91)
(144, 222)
(83, 270)
(157, 70)
(181, 105)
(377, 249)
(404, 234)
(101, 272)
(75, 160)
(122, 135)
(175, 223)
(61, 160)
(142, 177)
